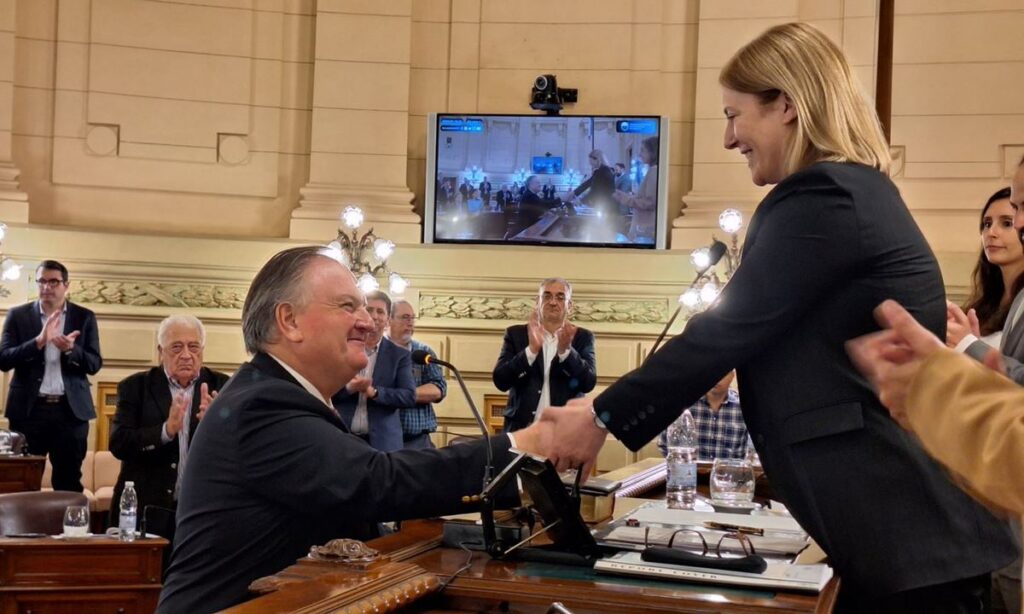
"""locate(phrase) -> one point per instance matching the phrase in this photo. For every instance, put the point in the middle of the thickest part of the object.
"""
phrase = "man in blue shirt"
(419, 421)
(721, 432)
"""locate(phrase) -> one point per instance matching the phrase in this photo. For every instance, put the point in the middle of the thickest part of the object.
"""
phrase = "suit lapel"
(1012, 332)
(267, 365)
(160, 390)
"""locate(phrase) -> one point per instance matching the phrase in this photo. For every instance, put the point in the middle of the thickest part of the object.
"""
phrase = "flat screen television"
(578, 180)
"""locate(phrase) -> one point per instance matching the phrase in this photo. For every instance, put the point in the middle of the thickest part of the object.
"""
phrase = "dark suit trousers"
(966, 596)
(52, 428)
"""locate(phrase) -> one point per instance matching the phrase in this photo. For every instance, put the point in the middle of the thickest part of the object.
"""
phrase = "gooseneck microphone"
(715, 253)
(423, 357)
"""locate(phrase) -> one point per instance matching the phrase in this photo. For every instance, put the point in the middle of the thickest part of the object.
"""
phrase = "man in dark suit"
(158, 411)
(274, 470)
(485, 192)
(53, 346)
(546, 361)
(370, 403)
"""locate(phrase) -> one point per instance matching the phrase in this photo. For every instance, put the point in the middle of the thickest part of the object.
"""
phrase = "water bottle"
(129, 512)
(681, 461)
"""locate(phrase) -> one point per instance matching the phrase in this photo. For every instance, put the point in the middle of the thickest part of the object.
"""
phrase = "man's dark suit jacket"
(396, 388)
(273, 471)
(826, 246)
(571, 378)
(143, 404)
(18, 351)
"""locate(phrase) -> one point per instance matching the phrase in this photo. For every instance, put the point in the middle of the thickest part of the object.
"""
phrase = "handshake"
(567, 436)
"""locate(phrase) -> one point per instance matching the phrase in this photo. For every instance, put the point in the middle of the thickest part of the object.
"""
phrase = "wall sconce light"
(359, 252)
(705, 292)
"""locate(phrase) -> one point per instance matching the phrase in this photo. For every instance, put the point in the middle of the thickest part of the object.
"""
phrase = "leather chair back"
(36, 512)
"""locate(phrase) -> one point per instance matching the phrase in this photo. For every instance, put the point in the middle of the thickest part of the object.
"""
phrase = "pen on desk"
(722, 526)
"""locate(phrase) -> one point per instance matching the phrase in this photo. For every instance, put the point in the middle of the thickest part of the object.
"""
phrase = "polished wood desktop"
(82, 575)
(488, 585)
(21, 473)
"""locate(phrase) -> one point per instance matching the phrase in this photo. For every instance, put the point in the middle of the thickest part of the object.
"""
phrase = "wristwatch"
(597, 421)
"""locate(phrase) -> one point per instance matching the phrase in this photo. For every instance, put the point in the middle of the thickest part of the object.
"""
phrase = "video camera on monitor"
(547, 96)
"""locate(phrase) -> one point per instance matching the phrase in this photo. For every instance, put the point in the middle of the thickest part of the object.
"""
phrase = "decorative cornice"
(477, 307)
(140, 293)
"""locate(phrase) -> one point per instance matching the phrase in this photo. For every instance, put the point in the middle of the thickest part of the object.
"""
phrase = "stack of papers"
(778, 575)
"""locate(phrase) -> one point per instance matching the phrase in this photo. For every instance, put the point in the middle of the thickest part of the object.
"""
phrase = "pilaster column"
(721, 178)
(358, 145)
(13, 202)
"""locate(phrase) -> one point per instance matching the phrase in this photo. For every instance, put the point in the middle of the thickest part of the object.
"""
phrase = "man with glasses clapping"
(419, 421)
(53, 346)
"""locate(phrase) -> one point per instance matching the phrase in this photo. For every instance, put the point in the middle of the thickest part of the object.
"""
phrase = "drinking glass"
(5, 443)
(76, 521)
(732, 481)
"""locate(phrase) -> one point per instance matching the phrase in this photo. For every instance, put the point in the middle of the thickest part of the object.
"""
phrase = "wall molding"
(142, 293)
(498, 307)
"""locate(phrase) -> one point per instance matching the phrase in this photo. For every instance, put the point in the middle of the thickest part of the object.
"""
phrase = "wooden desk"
(490, 586)
(21, 473)
(87, 575)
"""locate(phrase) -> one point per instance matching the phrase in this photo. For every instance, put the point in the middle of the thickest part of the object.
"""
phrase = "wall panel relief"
(169, 96)
(477, 307)
(141, 293)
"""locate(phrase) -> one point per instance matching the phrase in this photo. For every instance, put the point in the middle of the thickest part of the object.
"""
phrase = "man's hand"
(64, 343)
(176, 415)
(50, 330)
(892, 358)
(205, 398)
(565, 337)
(576, 440)
(536, 438)
(358, 384)
(535, 332)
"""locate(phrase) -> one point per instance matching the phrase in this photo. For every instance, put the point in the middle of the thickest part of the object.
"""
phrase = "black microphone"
(715, 253)
(423, 357)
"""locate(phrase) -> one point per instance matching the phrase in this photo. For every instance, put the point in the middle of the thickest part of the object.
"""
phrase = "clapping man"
(546, 361)
(158, 411)
(53, 346)
(418, 421)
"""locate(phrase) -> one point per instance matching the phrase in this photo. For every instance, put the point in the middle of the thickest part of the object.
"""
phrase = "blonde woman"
(828, 243)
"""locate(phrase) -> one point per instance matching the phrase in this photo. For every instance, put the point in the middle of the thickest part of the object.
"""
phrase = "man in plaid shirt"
(417, 422)
(721, 432)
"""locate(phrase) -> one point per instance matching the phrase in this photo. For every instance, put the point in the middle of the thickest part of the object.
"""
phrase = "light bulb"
(709, 293)
(352, 216)
(730, 221)
(367, 283)
(700, 258)
(398, 283)
(690, 299)
(334, 251)
(383, 248)
(9, 270)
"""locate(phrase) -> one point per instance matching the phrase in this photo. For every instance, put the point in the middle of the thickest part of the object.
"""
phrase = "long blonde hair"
(835, 122)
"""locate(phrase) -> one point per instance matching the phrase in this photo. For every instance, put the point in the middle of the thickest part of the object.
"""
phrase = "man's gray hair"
(279, 281)
(561, 280)
(180, 320)
(400, 301)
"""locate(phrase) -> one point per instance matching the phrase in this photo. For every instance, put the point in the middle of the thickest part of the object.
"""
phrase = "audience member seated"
(278, 471)
(370, 402)
(721, 432)
(546, 361)
(158, 411)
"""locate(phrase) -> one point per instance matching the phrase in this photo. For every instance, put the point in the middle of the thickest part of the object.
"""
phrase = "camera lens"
(541, 83)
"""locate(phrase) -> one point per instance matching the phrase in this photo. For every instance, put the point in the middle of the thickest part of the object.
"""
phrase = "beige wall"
(164, 149)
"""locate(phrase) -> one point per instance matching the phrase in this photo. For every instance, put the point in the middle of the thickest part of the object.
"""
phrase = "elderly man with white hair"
(158, 411)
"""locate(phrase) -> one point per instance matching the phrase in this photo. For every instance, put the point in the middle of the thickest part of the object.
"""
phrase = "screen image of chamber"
(573, 180)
